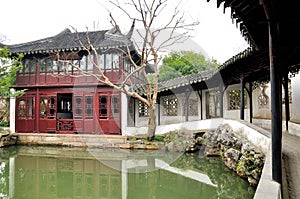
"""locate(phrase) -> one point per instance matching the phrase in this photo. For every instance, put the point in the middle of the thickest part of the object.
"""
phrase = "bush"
(4, 124)
(158, 138)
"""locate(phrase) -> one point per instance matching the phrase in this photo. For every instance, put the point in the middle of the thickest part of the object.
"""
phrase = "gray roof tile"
(72, 41)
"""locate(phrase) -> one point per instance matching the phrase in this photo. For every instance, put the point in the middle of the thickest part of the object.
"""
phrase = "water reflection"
(48, 172)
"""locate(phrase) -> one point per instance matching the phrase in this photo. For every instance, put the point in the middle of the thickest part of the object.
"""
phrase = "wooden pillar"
(242, 99)
(221, 90)
(187, 95)
(134, 112)
(276, 105)
(12, 112)
(250, 102)
(272, 16)
(201, 104)
(158, 110)
(37, 110)
(286, 99)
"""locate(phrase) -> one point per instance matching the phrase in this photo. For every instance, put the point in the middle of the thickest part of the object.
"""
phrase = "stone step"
(71, 140)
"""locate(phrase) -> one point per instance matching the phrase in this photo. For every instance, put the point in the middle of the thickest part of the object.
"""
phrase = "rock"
(231, 157)
(228, 139)
(232, 154)
(237, 155)
(193, 145)
(258, 161)
(182, 142)
(252, 181)
(256, 173)
(126, 146)
(211, 151)
(225, 128)
(210, 138)
(241, 169)
(246, 147)
(7, 139)
(152, 147)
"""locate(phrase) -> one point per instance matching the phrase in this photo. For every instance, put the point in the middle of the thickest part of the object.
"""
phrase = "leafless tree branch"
(147, 13)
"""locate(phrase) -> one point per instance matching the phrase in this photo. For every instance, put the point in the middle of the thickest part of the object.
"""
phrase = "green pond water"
(52, 172)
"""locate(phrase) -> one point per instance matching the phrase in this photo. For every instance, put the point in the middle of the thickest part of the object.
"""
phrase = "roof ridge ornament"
(115, 30)
(130, 32)
(65, 31)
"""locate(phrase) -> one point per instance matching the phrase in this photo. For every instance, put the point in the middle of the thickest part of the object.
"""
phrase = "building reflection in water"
(47, 172)
(45, 177)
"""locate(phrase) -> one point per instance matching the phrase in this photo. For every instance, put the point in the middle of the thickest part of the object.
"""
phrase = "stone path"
(291, 157)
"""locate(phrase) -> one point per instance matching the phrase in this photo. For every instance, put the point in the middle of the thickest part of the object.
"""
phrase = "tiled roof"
(178, 82)
(252, 17)
(185, 80)
(70, 41)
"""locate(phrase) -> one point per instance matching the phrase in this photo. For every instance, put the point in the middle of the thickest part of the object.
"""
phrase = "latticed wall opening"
(170, 104)
(143, 110)
(234, 99)
(4, 113)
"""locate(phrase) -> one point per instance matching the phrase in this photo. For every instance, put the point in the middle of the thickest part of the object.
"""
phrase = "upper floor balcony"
(79, 58)
(73, 70)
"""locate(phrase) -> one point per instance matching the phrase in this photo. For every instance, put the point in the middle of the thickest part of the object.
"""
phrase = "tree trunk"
(151, 122)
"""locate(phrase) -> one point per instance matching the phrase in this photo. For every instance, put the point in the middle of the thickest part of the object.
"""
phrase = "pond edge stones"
(237, 154)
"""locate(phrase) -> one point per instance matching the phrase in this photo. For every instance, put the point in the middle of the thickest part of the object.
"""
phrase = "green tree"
(166, 72)
(184, 63)
(9, 65)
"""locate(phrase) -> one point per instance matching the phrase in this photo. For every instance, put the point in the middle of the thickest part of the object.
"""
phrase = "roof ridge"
(64, 32)
(65, 40)
(30, 42)
(193, 74)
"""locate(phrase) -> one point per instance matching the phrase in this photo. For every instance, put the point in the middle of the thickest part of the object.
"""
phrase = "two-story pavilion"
(60, 96)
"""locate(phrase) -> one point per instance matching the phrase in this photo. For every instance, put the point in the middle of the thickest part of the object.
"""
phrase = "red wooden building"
(61, 99)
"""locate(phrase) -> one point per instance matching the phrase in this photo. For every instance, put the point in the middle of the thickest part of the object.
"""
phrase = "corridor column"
(221, 90)
(12, 112)
(242, 102)
(276, 105)
(272, 16)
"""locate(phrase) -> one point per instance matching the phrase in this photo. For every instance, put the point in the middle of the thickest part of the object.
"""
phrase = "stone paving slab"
(72, 140)
(291, 157)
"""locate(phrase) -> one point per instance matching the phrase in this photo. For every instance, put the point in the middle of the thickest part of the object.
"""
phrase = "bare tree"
(148, 13)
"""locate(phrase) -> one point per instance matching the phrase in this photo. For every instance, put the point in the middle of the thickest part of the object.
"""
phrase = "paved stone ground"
(291, 163)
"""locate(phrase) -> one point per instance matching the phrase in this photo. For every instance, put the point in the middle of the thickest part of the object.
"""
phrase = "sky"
(29, 20)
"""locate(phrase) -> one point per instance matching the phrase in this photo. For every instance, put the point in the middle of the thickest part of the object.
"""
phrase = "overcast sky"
(28, 20)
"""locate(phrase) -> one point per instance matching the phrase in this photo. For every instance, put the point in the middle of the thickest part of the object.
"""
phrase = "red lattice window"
(89, 107)
(78, 107)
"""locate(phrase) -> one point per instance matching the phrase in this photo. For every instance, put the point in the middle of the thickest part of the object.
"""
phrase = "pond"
(59, 172)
